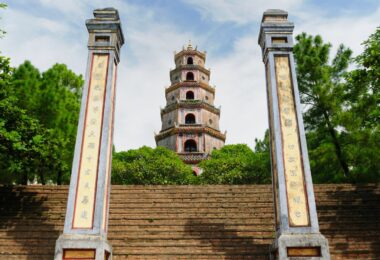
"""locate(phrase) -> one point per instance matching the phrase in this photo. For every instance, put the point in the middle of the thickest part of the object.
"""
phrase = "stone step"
(334, 190)
(61, 202)
(262, 256)
(201, 189)
(26, 257)
(27, 223)
(189, 222)
(196, 242)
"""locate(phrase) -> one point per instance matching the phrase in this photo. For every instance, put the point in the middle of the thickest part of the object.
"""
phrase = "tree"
(321, 86)
(52, 98)
(38, 121)
(150, 166)
(262, 151)
(27, 150)
(26, 85)
(238, 164)
(61, 91)
(361, 117)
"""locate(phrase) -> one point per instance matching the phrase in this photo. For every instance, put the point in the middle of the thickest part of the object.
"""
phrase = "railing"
(189, 84)
(194, 125)
(190, 101)
(193, 156)
(190, 67)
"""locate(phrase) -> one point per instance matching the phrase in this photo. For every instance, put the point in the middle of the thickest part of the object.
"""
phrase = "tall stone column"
(86, 222)
(297, 229)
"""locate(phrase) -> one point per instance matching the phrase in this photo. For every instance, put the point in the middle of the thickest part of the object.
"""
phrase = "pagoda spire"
(189, 46)
(190, 121)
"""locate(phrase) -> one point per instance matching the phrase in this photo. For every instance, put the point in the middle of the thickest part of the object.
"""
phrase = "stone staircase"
(189, 222)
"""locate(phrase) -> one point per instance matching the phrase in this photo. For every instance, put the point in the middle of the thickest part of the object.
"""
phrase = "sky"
(53, 31)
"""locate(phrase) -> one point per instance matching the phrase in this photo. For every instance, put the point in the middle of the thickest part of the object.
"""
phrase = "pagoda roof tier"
(190, 128)
(190, 67)
(192, 103)
(190, 51)
(193, 157)
(190, 83)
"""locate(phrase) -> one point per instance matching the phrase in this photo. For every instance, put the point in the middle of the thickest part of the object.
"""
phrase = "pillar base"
(71, 246)
(300, 246)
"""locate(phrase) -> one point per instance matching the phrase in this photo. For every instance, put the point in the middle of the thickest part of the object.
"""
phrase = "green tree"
(238, 164)
(361, 117)
(27, 150)
(150, 166)
(26, 85)
(61, 91)
(52, 98)
(321, 86)
(262, 152)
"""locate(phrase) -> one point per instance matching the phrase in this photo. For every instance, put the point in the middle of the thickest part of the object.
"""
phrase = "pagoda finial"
(189, 46)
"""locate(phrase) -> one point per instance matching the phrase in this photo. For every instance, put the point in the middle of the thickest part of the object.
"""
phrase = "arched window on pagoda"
(190, 146)
(190, 119)
(189, 94)
(189, 76)
(190, 60)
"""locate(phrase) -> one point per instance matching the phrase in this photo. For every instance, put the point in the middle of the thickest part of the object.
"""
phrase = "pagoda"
(190, 121)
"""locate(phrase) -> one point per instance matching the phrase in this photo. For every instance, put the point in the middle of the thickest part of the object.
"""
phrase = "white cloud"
(351, 30)
(240, 76)
(143, 72)
(141, 83)
(240, 89)
(240, 12)
(42, 40)
(68, 7)
(147, 57)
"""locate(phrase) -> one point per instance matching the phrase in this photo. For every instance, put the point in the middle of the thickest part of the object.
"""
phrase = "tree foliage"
(361, 117)
(321, 88)
(238, 164)
(334, 113)
(150, 166)
(38, 120)
(27, 150)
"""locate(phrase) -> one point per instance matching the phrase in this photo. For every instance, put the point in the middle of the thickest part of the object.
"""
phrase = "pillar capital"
(105, 31)
(276, 32)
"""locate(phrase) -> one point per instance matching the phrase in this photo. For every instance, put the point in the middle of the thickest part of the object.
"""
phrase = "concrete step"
(189, 222)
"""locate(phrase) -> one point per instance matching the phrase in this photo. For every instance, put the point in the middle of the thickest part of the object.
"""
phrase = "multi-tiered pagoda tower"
(190, 121)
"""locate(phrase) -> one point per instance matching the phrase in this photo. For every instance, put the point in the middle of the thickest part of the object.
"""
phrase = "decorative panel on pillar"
(297, 230)
(86, 221)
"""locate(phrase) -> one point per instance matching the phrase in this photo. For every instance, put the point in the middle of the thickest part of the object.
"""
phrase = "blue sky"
(53, 31)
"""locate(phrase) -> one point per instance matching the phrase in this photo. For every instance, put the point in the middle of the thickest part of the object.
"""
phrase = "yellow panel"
(88, 169)
(304, 251)
(79, 254)
(279, 40)
(294, 176)
(275, 19)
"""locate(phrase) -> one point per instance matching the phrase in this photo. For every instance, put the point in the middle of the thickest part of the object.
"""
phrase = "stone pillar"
(297, 229)
(86, 222)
